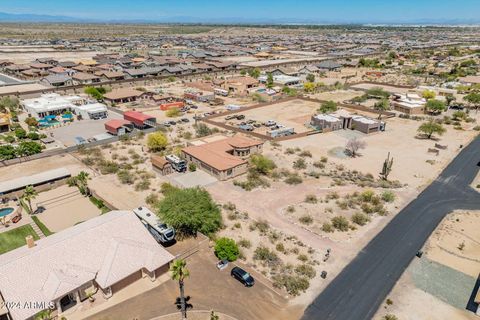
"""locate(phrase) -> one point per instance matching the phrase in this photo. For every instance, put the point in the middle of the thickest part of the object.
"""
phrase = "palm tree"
(180, 272)
(28, 195)
(82, 181)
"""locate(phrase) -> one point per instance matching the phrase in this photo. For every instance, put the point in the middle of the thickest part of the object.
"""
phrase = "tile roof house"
(107, 253)
(224, 157)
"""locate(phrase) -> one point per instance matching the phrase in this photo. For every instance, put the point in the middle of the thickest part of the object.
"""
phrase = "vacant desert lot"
(410, 153)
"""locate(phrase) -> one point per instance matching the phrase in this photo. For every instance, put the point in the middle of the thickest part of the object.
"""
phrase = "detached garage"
(140, 120)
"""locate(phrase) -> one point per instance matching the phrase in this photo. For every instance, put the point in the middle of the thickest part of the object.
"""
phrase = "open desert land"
(441, 285)
(25, 56)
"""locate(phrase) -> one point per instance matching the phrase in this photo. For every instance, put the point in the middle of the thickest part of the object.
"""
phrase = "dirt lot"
(456, 242)
(65, 207)
(292, 114)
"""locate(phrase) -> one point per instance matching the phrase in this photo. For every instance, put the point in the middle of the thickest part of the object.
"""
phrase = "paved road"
(357, 292)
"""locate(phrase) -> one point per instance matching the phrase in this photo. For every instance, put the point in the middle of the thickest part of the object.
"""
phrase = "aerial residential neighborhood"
(306, 161)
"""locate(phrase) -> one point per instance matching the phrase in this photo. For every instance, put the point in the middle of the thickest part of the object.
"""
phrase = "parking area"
(80, 128)
(292, 113)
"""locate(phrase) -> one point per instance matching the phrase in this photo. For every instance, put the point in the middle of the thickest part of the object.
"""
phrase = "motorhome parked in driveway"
(159, 230)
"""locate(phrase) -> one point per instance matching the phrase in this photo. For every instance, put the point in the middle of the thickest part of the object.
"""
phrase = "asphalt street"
(358, 291)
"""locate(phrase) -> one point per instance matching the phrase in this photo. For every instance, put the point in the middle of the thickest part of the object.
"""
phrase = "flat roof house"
(50, 104)
(222, 158)
(93, 111)
(344, 120)
(104, 254)
(410, 103)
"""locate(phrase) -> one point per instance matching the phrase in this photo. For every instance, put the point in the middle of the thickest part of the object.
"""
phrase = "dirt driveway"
(209, 289)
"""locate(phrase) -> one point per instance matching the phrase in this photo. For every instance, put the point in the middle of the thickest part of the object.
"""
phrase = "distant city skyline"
(267, 11)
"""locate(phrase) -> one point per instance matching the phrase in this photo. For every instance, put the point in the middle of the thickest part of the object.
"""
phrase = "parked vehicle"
(80, 140)
(185, 120)
(177, 164)
(246, 127)
(159, 230)
(282, 132)
(171, 122)
(240, 117)
(230, 117)
(222, 264)
(166, 124)
(270, 123)
(193, 107)
(243, 276)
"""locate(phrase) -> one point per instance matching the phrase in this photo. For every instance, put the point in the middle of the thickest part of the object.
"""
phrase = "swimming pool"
(49, 123)
(6, 211)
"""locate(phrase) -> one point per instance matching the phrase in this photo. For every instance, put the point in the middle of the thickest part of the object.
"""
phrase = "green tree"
(173, 112)
(226, 248)
(328, 107)
(381, 106)
(473, 99)
(269, 80)
(7, 152)
(9, 104)
(190, 211)
(378, 93)
(309, 87)
(261, 164)
(435, 106)
(179, 272)
(20, 133)
(202, 130)
(431, 127)
(428, 94)
(254, 73)
(31, 122)
(310, 77)
(95, 93)
(28, 148)
(28, 195)
(157, 141)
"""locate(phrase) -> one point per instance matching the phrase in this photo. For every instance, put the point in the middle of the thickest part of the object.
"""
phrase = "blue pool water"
(5, 211)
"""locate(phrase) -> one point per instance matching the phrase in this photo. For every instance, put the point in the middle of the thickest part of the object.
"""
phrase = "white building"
(410, 103)
(281, 79)
(91, 111)
(51, 104)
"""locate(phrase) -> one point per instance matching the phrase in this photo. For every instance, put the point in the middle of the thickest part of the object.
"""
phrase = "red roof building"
(118, 126)
(139, 119)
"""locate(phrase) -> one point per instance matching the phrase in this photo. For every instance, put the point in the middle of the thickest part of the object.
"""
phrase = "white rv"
(159, 230)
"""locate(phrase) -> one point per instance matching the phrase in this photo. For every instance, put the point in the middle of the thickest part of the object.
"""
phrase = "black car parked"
(242, 276)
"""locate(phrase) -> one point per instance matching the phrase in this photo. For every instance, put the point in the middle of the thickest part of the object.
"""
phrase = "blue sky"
(318, 10)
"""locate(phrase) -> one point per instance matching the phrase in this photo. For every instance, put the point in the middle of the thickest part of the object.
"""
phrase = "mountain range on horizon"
(42, 18)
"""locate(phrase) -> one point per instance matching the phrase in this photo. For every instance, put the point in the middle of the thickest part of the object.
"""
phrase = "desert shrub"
(327, 227)
(293, 178)
(293, 284)
(264, 254)
(290, 151)
(152, 199)
(324, 159)
(302, 257)
(226, 248)
(244, 243)
(306, 219)
(340, 223)
(192, 167)
(299, 164)
(305, 153)
(367, 195)
(305, 270)
(290, 209)
(311, 198)
(390, 317)
(125, 177)
(108, 167)
(332, 196)
(360, 218)
(280, 247)
(142, 185)
(261, 225)
(388, 196)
